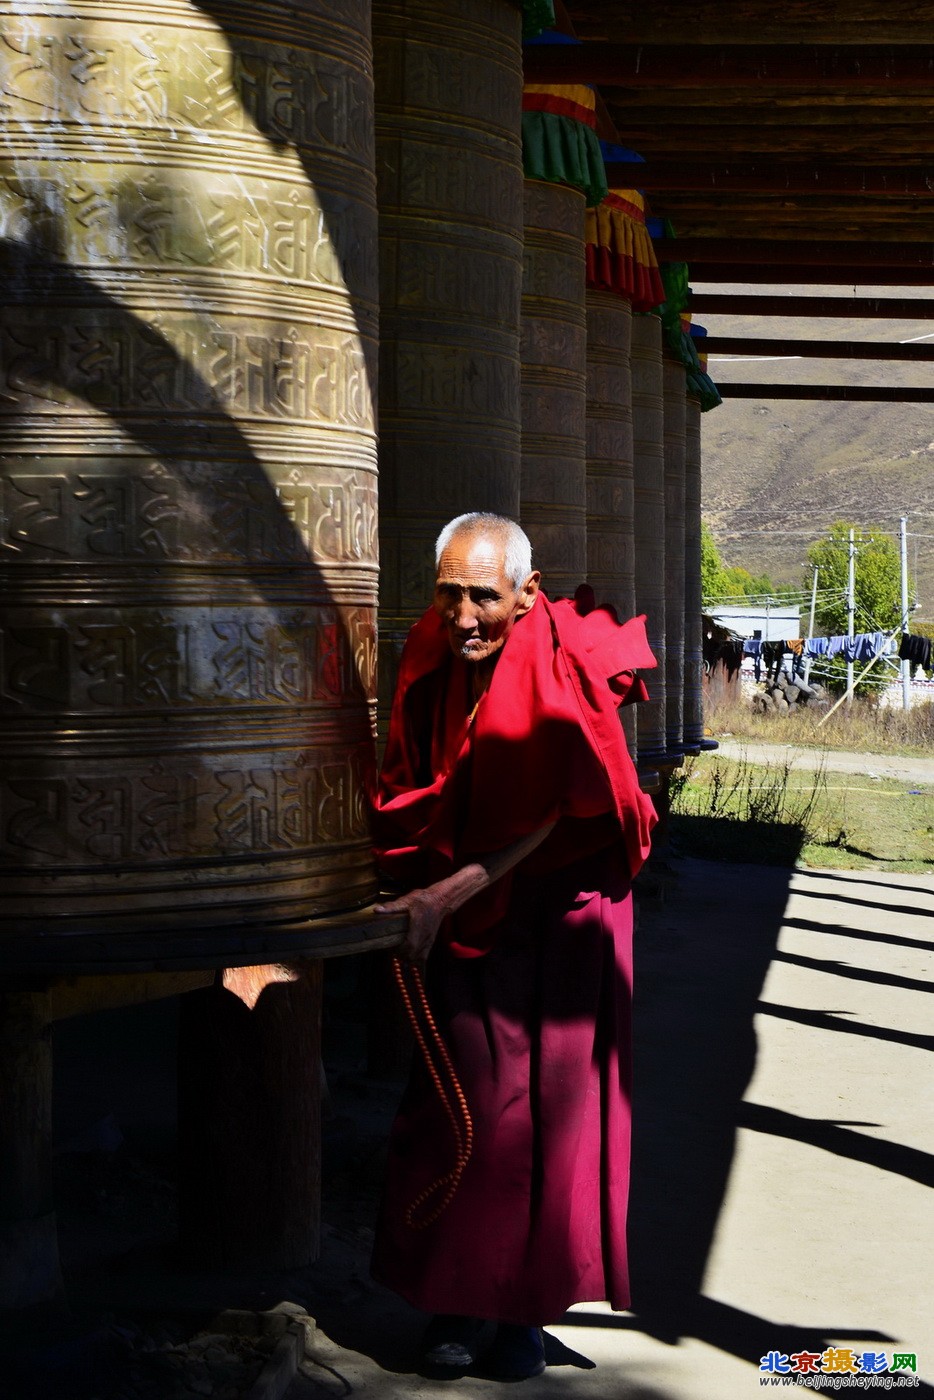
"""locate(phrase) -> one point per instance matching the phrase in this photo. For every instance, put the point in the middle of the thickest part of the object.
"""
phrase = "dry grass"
(733, 809)
(861, 727)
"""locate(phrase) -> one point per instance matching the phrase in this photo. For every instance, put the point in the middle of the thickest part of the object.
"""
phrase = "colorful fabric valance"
(620, 256)
(699, 381)
(559, 136)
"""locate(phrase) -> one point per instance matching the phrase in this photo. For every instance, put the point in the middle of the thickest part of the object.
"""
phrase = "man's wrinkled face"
(474, 598)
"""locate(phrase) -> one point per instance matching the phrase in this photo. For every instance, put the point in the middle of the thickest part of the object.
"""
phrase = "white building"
(772, 622)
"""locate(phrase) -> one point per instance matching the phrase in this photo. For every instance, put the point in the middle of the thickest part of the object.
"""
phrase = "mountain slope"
(777, 472)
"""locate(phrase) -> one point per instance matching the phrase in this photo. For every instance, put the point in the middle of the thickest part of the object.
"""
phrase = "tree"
(877, 585)
(719, 580)
(710, 566)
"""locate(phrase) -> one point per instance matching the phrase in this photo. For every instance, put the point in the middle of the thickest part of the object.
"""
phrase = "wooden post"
(29, 1263)
(249, 1126)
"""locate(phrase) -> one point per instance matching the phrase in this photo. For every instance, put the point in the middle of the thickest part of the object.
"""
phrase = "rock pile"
(783, 694)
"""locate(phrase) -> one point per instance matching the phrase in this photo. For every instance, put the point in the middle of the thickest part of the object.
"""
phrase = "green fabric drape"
(563, 151)
(536, 16)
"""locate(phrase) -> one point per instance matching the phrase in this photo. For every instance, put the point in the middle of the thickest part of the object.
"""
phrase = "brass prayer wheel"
(649, 523)
(553, 353)
(693, 627)
(449, 172)
(610, 548)
(188, 544)
(674, 410)
(610, 562)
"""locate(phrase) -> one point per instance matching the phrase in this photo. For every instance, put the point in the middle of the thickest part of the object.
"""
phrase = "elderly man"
(510, 810)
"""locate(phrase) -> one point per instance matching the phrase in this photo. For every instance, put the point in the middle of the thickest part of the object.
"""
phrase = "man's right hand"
(425, 909)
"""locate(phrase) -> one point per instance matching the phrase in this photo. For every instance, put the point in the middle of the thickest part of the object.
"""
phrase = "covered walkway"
(785, 1103)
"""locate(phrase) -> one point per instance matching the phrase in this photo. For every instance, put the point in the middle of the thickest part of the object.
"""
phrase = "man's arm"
(426, 908)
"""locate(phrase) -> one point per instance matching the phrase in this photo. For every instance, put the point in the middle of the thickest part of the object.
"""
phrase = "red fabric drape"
(544, 746)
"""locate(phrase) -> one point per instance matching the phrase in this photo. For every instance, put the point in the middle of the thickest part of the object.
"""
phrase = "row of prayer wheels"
(230, 234)
(203, 226)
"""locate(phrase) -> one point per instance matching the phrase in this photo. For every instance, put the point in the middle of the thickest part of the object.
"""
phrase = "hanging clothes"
(772, 653)
(752, 646)
(917, 650)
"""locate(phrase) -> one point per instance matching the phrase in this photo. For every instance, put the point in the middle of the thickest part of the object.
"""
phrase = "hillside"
(777, 472)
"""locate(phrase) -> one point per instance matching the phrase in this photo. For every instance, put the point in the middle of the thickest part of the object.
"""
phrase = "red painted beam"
(853, 393)
(832, 66)
(817, 349)
(741, 252)
(766, 177)
(851, 308)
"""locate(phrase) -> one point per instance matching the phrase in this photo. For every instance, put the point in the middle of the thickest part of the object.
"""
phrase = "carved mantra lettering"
(102, 817)
(477, 185)
(118, 215)
(189, 512)
(454, 380)
(444, 279)
(175, 366)
(115, 75)
(456, 80)
(189, 661)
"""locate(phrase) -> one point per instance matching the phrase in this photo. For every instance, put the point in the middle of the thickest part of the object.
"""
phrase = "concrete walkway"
(784, 1132)
(876, 765)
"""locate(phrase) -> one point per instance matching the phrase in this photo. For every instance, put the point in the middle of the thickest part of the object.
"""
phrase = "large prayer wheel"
(649, 523)
(189, 532)
(610, 548)
(449, 169)
(610, 561)
(674, 411)
(693, 603)
(554, 350)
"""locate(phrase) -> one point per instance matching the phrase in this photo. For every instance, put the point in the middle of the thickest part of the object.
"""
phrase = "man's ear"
(528, 593)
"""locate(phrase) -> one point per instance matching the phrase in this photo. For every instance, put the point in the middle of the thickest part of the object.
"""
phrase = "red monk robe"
(531, 981)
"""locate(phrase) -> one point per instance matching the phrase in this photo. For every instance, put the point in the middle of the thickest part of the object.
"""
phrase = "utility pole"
(851, 611)
(807, 662)
(906, 665)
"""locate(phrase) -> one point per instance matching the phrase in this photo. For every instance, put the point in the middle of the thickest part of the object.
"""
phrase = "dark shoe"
(517, 1354)
(451, 1344)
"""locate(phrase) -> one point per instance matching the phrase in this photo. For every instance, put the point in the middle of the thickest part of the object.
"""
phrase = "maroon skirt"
(539, 1032)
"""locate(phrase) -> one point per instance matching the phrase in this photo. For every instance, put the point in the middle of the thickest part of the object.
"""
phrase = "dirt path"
(873, 765)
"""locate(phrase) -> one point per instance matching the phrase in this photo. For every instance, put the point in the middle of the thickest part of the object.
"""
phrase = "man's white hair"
(517, 547)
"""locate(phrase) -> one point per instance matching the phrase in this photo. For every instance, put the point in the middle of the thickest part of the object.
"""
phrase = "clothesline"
(862, 646)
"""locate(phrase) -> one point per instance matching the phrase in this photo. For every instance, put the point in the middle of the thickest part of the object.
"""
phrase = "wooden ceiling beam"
(851, 308)
(816, 276)
(823, 252)
(710, 22)
(767, 176)
(852, 144)
(908, 117)
(885, 228)
(854, 393)
(817, 349)
(840, 67)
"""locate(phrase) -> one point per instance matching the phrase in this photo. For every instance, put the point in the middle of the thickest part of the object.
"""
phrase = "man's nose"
(465, 615)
